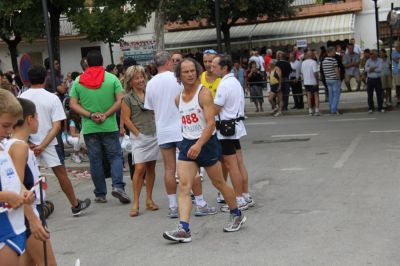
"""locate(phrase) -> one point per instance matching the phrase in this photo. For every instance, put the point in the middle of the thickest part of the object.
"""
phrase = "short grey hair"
(330, 49)
(161, 58)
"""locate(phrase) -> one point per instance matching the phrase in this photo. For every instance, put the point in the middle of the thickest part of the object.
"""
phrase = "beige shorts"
(347, 78)
(396, 79)
(386, 82)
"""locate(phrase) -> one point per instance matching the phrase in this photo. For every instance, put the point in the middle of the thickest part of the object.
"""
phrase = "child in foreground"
(28, 171)
(12, 193)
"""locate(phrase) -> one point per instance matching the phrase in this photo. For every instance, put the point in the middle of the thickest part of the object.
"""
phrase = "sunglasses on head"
(210, 51)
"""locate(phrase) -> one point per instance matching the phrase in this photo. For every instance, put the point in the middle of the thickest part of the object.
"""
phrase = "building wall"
(365, 28)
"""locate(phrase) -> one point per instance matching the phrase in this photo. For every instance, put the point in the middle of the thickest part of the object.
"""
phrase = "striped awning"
(314, 30)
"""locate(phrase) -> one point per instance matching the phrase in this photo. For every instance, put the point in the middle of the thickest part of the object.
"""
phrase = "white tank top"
(32, 173)
(192, 116)
(12, 221)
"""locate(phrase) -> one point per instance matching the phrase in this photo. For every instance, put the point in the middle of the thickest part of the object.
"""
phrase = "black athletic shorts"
(229, 146)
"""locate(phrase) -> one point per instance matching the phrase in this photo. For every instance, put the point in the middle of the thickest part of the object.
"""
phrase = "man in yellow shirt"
(208, 78)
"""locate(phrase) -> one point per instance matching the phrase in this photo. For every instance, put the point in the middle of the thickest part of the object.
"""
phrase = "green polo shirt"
(98, 100)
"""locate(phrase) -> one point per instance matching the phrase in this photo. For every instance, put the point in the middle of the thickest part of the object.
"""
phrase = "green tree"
(56, 9)
(110, 21)
(230, 12)
(19, 20)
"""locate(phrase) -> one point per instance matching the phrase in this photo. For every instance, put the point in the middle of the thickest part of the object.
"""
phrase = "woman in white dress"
(141, 125)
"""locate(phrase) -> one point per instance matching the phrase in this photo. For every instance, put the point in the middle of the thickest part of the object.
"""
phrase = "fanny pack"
(227, 128)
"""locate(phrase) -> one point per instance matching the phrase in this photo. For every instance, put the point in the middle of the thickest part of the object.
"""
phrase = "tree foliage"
(110, 22)
(19, 20)
(230, 12)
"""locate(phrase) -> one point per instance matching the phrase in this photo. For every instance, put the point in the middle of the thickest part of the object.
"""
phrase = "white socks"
(172, 201)
(200, 201)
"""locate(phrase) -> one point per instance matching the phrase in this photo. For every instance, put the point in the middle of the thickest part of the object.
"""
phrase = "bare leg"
(186, 171)
(137, 183)
(150, 179)
(281, 104)
(8, 257)
(34, 250)
(231, 164)
(316, 98)
(243, 171)
(169, 169)
(65, 184)
(197, 186)
(215, 174)
(271, 99)
(309, 100)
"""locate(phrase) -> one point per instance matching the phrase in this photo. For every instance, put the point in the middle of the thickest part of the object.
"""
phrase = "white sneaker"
(84, 157)
(220, 198)
(278, 114)
(76, 159)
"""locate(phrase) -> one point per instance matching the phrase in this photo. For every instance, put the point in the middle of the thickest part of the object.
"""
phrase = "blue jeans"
(334, 94)
(108, 144)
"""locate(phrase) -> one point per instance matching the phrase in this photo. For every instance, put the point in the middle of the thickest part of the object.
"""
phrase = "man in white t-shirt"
(161, 92)
(229, 104)
(310, 72)
(44, 143)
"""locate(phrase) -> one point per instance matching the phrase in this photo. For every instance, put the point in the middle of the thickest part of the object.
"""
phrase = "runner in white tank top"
(199, 147)
(32, 174)
(192, 116)
(12, 222)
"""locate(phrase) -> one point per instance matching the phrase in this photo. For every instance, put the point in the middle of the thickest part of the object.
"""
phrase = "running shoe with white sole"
(250, 201)
(206, 210)
(178, 235)
(120, 194)
(173, 212)
(220, 198)
(234, 223)
(82, 205)
(242, 206)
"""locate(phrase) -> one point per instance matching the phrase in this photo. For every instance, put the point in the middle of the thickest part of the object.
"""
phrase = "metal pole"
(377, 23)
(49, 46)
(43, 220)
(111, 52)
(218, 25)
(391, 43)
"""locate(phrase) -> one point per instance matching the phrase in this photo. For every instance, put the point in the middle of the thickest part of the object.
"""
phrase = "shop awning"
(314, 30)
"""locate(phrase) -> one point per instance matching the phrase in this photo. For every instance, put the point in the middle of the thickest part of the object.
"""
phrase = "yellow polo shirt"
(211, 86)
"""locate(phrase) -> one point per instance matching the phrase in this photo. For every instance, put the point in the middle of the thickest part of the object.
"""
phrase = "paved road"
(327, 193)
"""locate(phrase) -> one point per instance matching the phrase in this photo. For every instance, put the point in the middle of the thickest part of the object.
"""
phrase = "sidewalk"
(350, 102)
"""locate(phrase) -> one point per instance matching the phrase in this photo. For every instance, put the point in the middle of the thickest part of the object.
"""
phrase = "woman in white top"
(141, 125)
(28, 171)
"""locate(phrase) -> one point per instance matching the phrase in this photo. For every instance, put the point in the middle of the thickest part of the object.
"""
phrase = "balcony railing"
(304, 2)
(67, 28)
(312, 2)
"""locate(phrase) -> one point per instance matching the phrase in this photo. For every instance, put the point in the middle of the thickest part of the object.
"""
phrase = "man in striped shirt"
(331, 71)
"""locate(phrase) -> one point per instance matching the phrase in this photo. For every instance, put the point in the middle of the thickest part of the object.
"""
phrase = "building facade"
(314, 25)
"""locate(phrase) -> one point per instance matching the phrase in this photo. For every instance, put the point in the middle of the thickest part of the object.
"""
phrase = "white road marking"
(293, 169)
(347, 153)
(352, 119)
(294, 135)
(385, 131)
(392, 150)
(260, 124)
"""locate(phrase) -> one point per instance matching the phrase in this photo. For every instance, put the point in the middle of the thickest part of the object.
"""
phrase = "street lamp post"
(376, 23)
(49, 46)
(218, 26)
